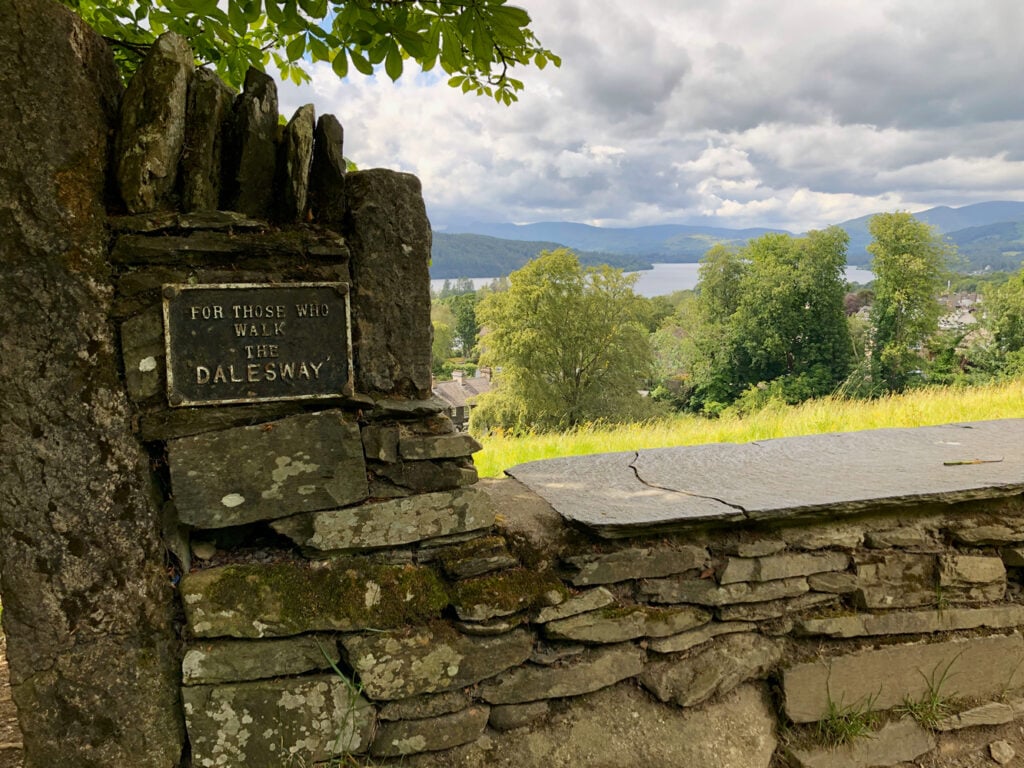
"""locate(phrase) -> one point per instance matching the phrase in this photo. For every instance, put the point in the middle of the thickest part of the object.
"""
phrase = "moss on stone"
(287, 598)
(510, 591)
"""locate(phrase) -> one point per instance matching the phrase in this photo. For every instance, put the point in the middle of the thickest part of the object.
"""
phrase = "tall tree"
(909, 261)
(569, 342)
(476, 43)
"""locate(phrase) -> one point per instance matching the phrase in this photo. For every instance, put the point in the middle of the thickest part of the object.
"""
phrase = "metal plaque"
(251, 343)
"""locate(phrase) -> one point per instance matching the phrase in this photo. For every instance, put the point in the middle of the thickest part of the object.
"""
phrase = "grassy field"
(918, 408)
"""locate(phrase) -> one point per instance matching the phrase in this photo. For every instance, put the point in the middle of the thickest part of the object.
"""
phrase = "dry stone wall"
(346, 587)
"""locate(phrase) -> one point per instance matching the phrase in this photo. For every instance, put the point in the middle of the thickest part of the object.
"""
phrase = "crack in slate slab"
(636, 472)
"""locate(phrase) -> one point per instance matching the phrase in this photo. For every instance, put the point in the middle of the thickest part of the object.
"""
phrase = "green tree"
(476, 43)
(1005, 310)
(909, 262)
(443, 323)
(463, 307)
(569, 342)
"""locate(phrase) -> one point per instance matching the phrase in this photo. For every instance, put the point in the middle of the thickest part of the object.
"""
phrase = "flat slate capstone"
(665, 489)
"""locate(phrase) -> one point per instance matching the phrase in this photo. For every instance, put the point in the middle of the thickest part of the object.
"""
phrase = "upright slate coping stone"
(206, 121)
(389, 239)
(666, 489)
(252, 164)
(296, 157)
(327, 174)
(152, 130)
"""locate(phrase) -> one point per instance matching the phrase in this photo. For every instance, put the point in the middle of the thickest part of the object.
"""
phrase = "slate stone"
(426, 476)
(758, 547)
(389, 238)
(980, 667)
(269, 723)
(914, 622)
(291, 598)
(971, 578)
(835, 583)
(715, 670)
(410, 737)
(454, 446)
(904, 537)
(1002, 752)
(987, 535)
(233, 661)
(590, 600)
(775, 609)
(497, 595)
(207, 120)
(477, 557)
(636, 563)
(616, 626)
(895, 743)
(830, 535)
(429, 660)
(380, 442)
(589, 672)
(251, 164)
(419, 707)
(297, 464)
(296, 152)
(1013, 557)
(152, 127)
(992, 713)
(390, 523)
(845, 473)
(142, 351)
(684, 641)
(897, 581)
(708, 592)
(327, 174)
(511, 716)
(490, 628)
(208, 249)
(782, 566)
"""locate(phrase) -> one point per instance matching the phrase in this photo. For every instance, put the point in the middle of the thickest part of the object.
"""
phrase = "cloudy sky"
(782, 113)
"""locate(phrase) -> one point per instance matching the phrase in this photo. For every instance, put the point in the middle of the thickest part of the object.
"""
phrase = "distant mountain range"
(988, 236)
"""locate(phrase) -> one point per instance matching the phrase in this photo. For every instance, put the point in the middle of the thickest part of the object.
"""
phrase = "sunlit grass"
(922, 407)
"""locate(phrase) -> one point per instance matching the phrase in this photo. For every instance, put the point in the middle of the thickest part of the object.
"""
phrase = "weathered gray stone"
(268, 723)
(380, 442)
(1013, 557)
(290, 598)
(393, 666)
(142, 350)
(618, 625)
(903, 537)
(152, 130)
(893, 744)
(835, 583)
(972, 578)
(389, 238)
(207, 249)
(87, 612)
(490, 628)
(992, 713)
(1002, 752)
(668, 489)
(636, 563)
(887, 677)
(589, 672)
(914, 622)
(296, 157)
(590, 600)
(987, 535)
(510, 716)
(207, 119)
(426, 476)
(758, 547)
(506, 593)
(327, 174)
(251, 164)
(684, 641)
(410, 737)
(234, 661)
(453, 446)
(828, 536)
(419, 707)
(707, 592)
(298, 464)
(477, 557)
(713, 671)
(774, 609)
(390, 523)
(784, 566)
(897, 581)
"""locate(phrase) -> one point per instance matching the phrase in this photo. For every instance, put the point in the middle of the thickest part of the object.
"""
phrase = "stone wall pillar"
(87, 602)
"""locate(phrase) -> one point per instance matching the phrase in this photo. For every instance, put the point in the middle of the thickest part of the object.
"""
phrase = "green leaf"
(360, 63)
(296, 48)
(319, 50)
(340, 64)
(393, 63)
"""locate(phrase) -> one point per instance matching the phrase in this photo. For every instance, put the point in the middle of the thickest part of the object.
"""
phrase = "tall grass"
(920, 407)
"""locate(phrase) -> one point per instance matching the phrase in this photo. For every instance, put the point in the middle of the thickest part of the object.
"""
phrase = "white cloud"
(735, 113)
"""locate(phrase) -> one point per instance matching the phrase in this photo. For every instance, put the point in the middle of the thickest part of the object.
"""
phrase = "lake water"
(669, 278)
